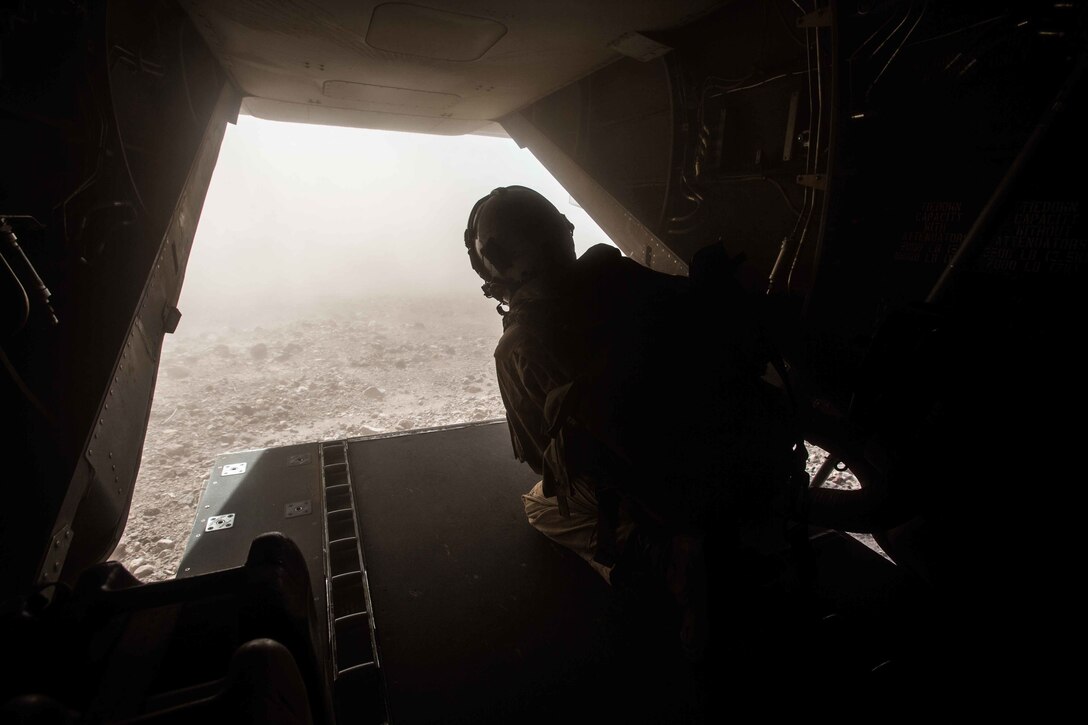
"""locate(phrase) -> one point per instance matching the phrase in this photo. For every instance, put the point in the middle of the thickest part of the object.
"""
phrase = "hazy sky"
(299, 217)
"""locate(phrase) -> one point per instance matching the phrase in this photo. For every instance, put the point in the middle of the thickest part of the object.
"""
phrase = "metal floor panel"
(249, 493)
(479, 617)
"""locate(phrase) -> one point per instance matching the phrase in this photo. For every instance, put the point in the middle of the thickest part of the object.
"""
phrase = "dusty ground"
(376, 366)
(381, 365)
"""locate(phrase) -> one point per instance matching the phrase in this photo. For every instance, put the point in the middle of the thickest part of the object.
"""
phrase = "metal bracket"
(54, 558)
(639, 47)
(813, 181)
(791, 124)
(233, 469)
(171, 316)
(820, 18)
(217, 523)
(297, 508)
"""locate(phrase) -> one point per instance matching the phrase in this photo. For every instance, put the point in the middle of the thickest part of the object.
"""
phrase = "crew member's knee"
(540, 510)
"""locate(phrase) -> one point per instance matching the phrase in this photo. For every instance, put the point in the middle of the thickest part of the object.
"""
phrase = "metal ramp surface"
(445, 606)
(479, 617)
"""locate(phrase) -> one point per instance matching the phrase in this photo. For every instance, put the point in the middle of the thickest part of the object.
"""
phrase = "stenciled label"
(1040, 237)
(935, 234)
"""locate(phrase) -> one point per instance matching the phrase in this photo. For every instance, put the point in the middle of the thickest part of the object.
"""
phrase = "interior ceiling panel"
(429, 33)
(444, 66)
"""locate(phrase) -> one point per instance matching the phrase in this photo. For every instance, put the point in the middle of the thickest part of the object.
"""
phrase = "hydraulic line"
(20, 294)
(37, 285)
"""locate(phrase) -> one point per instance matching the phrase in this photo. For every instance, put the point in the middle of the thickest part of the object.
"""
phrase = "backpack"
(669, 411)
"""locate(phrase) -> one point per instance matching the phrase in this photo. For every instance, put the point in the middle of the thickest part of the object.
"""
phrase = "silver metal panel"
(217, 523)
(264, 490)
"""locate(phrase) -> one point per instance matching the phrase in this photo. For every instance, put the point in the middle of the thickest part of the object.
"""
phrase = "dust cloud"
(307, 220)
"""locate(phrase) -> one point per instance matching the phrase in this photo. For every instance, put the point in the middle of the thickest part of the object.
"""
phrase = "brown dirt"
(383, 365)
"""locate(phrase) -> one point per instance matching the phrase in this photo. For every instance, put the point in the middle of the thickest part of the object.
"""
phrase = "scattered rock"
(146, 571)
(162, 545)
(328, 379)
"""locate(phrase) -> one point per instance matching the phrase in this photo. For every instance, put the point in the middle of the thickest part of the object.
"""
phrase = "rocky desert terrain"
(377, 365)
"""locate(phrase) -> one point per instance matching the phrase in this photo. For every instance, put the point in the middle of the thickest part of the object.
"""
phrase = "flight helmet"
(514, 235)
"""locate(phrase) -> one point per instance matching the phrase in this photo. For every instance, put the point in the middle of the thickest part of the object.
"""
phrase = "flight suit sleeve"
(526, 374)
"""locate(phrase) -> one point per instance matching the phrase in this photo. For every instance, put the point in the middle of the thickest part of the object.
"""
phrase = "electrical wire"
(901, 44)
(806, 199)
(868, 40)
(786, 25)
(713, 88)
(24, 315)
(813, 158)
(762, 177)
(87, 182)
(760, 83)
(691, 195)
(895, 30)
(785, 196)
(809, 198)
(959, 30)
(733, 81)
